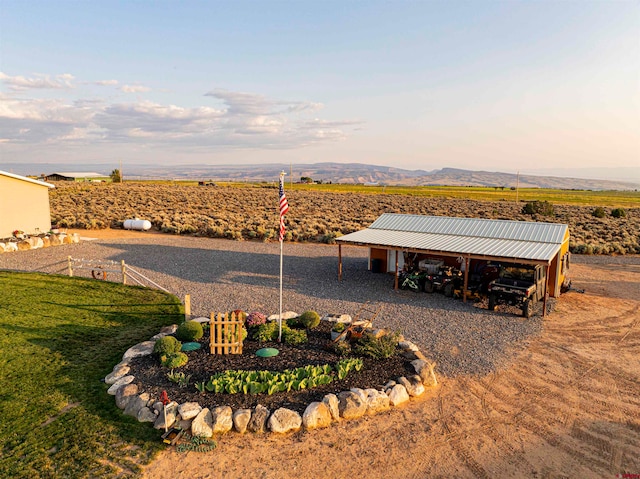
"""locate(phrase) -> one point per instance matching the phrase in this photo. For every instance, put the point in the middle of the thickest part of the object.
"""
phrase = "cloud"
(240, 120)
(39, 81)
(106, 82)
(134, 88)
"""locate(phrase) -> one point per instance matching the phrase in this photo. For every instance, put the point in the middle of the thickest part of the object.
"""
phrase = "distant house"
(77, 176)
(24, 205)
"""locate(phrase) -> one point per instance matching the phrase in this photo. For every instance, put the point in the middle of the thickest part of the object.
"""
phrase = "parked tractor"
(518, 285)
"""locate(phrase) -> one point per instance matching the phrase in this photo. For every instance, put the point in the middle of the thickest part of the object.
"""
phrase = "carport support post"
(395, 283)
(546, 287)
(339, 262)
(467, 262)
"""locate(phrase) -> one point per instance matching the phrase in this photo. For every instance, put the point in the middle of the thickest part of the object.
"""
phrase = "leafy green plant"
(189, 331)
(180, 378)
(344, 366)
(599, 212)
(294, 337)
(618, 213)
(377, 348)
(167, 345)
(266, 332)
(174, 360)
(309, 319)
(338, 327)
(342, 348)
(292, 322)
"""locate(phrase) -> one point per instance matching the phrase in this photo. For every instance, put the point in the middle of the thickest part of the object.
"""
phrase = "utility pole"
(121, 178)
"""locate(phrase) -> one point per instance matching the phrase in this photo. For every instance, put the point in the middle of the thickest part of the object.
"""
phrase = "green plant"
(310, 319)
(338, 327)
(294, 337)
(543, 208)
(266, 332)
(618, 213)
(180, 378)
(377, 348)
(344, 366)
(174, 360)
(292, 322)
(243, 334)
(342, 348)
(196, 444)
(599, 212)
(189, 331)
(167, 345)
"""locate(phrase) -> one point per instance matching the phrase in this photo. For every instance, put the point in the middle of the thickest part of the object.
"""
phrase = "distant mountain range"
(335, 173)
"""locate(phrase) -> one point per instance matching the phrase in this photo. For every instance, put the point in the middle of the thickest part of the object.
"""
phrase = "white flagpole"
(280, 315)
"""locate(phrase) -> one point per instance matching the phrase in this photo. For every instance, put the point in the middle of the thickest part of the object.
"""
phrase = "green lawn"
(59, 336)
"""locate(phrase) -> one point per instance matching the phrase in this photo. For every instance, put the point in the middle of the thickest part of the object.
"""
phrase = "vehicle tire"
(492, 302)
(448, 290)
(527, 308)
(428, 287)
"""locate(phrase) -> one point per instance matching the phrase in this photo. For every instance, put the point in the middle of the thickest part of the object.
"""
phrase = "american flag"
(284, 207)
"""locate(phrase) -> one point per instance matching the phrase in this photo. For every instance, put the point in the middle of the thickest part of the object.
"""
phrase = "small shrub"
(189, 331)
(310, 319)
(599, 212)
(167, 345)
(543, 208)
(338, 327)
(377, 348)
(180, 378)
(293, 322)
(342, 348)
(239, 314)
(255, 319)
(618, 213)
(294, 337)
(266, 332)
(174, 360)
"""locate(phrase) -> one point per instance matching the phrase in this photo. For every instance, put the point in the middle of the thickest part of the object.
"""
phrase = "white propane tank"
(136, 224)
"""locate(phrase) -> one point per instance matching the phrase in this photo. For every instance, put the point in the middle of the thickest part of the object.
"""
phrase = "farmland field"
(320, 213)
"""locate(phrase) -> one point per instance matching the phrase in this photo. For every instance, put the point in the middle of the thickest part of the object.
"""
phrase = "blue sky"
(421, 85)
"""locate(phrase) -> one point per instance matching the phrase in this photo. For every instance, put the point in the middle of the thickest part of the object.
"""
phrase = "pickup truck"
(518, 285)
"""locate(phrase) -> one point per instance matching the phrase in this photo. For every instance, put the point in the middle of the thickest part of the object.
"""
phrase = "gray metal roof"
(479, 237)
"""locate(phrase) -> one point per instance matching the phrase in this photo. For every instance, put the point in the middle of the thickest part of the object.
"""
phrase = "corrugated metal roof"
(24, 178)
(498, 238)
(485, 228)
(80, 174)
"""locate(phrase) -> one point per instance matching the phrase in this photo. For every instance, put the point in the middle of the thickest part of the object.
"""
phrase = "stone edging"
(35, 242)
(190, 416)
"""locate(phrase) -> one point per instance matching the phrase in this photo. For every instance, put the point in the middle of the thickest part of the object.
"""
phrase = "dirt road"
(567, 406)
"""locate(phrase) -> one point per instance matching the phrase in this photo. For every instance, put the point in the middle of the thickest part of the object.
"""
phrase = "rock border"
(35, 242)
(205, 422)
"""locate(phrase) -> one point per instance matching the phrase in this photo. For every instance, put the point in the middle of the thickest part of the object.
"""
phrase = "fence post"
(187, 307)
(124, 273)
(70, 266)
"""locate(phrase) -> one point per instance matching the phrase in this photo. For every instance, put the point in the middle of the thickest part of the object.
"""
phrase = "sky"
(481, 85)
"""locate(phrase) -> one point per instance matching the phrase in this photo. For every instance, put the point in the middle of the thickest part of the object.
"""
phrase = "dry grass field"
(251, 213)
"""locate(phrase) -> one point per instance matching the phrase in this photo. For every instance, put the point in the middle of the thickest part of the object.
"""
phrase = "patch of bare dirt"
(567, 406)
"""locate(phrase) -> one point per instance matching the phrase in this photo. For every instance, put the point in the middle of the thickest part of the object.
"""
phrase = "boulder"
(24, 245)
(67, 239)
(201, 319)
(165, 331)
(316, 415)
(120, 382)
(55, 240)
(75, 238)
(332, 402)
(351, 405)
(377, 401)
(189, 410)
(2, 247)
(144, 348)
(241, 419)
(119, 370)
(46, 242)
(124, 394)
(285, 315)
(424, 369)
(258, 421)
(170, 412)
(135, 404)
(360, 392)
(35, 242)
(11, 246)
(398, 395)
(337, 318)
(146, 415)
(184, 424)
(222, 419)
(202, 424)
(408, 346)
(284, 420)
(413, 385)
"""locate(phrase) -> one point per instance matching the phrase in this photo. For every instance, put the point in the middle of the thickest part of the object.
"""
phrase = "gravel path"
(221, 275)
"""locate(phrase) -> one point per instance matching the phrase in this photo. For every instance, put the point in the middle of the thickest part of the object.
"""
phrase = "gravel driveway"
(221, 275)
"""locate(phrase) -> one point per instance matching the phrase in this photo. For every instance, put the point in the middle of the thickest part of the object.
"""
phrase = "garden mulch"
(151, 377)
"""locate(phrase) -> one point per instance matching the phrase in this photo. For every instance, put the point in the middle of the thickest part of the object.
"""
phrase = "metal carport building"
(523, 242)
